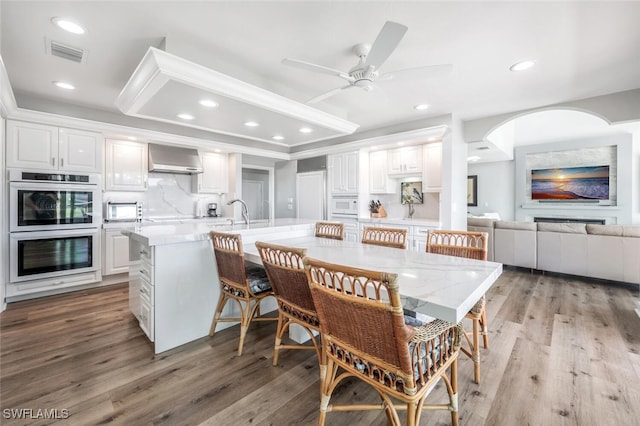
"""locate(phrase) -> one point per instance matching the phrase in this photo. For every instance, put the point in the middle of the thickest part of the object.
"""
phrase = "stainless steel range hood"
(173, 159)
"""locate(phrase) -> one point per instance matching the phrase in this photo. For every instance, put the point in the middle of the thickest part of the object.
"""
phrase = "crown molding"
(158, 68)
(7, 100)
(116, 131)
(411, 137)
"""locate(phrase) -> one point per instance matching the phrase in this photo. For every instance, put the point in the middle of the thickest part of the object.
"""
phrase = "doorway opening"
(257, 192)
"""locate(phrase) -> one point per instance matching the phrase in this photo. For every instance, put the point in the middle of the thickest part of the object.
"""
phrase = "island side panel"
(186, 293)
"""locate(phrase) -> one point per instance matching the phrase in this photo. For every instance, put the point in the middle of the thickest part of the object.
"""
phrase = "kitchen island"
(173, 278)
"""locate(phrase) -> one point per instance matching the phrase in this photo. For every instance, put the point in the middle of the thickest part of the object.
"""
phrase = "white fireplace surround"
(613, 150)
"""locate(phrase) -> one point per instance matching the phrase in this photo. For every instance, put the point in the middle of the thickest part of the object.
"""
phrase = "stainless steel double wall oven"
(54, 223)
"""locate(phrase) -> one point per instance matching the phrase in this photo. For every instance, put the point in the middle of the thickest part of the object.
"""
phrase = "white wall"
(635, 180)
(496, 188)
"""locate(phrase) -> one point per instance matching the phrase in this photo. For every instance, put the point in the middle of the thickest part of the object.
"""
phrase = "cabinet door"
(32, 146)
(351, 172)
(395, 162)
(215, 177)
(412, 159)
(125, 166)
(116, 253)
(336, 173)
(432, 172)
(79, 151)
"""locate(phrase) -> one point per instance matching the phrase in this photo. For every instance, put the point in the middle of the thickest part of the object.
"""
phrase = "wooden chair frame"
(285, 268)
(234, 285)
(334, 230)
(389, 237)
(364, 336)
(470, 245)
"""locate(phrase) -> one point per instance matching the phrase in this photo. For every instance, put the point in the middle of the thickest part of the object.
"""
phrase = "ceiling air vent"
(66, 52)
(480, 148)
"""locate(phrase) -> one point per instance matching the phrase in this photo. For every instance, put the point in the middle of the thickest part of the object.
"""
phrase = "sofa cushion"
(612, 230)
(524, 226)
(631, 231)
(568, 228)
(480, 222)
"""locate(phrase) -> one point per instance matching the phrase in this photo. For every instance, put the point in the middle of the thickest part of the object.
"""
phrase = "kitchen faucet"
(245, 211)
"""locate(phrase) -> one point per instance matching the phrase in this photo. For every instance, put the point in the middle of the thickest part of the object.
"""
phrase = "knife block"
(381, 212)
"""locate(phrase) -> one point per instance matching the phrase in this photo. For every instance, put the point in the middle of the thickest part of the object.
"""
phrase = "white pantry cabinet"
(214, 178)
(343, 173)
(44, 147)
(405, 160)
(432, 170)
(115, 251)
(126, 166)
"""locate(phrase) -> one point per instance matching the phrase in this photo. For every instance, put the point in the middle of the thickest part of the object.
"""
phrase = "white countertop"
(154, 234)
(444, 287)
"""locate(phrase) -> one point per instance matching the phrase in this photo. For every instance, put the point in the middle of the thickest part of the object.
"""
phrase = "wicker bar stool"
(389, 237)
(246, 284)
(364, 335)
(333, 230)
(471, 245)
(285, 269)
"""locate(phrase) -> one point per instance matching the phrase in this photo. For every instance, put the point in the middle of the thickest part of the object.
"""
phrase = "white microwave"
(344, 206)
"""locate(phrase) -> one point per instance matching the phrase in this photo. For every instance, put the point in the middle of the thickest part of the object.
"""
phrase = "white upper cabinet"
(343, 173)
(126, 166)
(215, 176)
(432, 172)
(405, 160)
(44, 147)
(79, 150)
(379, 182)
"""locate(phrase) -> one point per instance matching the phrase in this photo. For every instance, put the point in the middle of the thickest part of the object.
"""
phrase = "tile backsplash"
(430, 209)
(169, 195)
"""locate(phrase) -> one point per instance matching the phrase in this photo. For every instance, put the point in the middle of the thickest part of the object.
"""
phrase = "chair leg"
(475, 351)
(454, 390)
(485, 328)
(245, 320)
(221, 302)
(279, 333)
(412, 414)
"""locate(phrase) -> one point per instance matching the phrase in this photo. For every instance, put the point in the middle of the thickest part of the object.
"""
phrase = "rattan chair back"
(389, 237)
(229, 256)
(333, 230)
(288, 279)
(471, 245)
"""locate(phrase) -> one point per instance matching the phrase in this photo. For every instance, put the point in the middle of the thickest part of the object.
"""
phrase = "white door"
(311, 196)
(254, 197)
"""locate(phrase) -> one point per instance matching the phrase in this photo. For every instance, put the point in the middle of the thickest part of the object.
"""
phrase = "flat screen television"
(570, 183)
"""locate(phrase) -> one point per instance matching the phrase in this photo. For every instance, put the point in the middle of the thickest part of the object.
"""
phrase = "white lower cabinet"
(141, 286)
(115, 251)
(351, 231)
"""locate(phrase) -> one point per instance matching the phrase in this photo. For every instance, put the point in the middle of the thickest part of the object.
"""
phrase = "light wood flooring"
(562, 352)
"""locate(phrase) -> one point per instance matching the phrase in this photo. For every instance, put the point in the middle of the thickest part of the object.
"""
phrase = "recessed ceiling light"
(400, 143)
(217, 150)
(277, 137)
(63, 85)
(473, 158)
(208, 103)
(132, 138)
(432, 139)
(306, 130)
(522, 65)
(68, 25)
(421, 107)
(185, 116)
(251, 124)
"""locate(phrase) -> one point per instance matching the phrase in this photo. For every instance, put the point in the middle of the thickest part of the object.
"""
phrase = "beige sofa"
(610, 252)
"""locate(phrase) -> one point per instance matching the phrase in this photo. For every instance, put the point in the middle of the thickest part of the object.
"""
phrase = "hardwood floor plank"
(562, 351)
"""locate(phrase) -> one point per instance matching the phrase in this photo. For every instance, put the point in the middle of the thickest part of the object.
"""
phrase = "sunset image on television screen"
(570, 183)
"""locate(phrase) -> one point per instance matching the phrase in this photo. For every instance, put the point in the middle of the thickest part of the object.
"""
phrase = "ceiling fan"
(365, 72)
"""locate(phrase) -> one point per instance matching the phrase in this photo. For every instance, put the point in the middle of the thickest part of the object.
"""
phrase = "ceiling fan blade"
(329, 94)
(386, 42)
(314, 67)
(427, 71)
